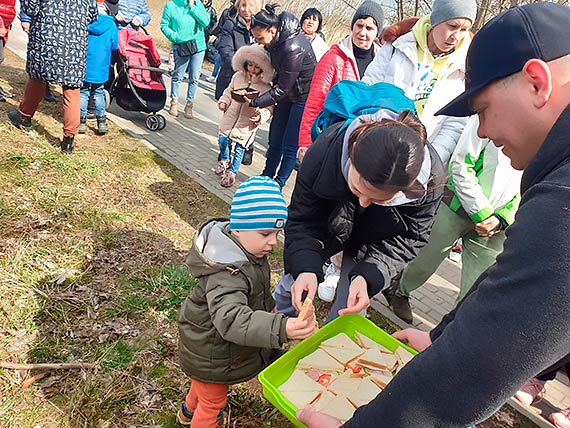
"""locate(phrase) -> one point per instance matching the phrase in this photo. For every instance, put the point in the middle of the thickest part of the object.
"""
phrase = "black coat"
(513, 323)
(294, 62)
(325, 218)
(234, 35)
(57, 42)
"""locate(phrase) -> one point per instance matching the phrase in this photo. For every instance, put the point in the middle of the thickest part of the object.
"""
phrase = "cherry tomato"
(356, 369)
(325, 379)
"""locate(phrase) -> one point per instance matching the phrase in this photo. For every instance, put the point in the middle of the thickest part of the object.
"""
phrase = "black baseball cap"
(504, 45)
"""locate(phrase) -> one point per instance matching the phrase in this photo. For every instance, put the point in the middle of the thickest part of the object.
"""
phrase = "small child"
(103, 40)
(228, 325)
(240, 121)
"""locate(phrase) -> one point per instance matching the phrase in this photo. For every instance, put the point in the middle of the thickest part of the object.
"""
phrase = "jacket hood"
(103, 24)
(181, 3)
(256, 54)
(213, 249)
(289, 26)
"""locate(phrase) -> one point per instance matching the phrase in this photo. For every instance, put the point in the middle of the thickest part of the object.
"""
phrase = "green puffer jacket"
(227, 329)
(180, 23)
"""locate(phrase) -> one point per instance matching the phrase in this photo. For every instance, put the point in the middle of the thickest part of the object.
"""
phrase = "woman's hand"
(358, 299)
(306, 281)
(297, 329)
(301, 152)
(136, 22)
(223, 106)
(314, 419)
(417, 339)
(119, 17)
(191, 3)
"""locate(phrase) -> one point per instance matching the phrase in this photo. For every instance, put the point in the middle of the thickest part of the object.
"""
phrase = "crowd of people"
(380, 197)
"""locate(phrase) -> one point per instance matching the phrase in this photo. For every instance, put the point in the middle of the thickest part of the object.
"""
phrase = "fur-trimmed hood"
(256, 54)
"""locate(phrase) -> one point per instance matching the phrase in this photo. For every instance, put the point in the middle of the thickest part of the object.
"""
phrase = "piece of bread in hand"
(305, 309)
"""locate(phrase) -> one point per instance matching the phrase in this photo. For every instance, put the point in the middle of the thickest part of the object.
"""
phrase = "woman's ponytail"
(266, 17)
(389, 153)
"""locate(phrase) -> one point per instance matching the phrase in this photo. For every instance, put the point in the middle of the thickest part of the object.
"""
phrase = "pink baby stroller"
(138, 84)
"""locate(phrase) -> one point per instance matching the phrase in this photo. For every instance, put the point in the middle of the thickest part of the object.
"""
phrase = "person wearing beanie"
(229, 313)
(346, 60)
(428, 63)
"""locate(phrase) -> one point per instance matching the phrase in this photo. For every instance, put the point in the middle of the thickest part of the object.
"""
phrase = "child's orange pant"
(206, 400)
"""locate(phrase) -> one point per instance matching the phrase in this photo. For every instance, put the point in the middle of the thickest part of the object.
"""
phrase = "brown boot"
(173, 111)
(188, 110)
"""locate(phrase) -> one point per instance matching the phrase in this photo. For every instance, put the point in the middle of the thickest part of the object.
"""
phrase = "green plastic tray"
(280, 370)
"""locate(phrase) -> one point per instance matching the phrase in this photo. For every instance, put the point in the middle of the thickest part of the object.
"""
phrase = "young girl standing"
(240, 121)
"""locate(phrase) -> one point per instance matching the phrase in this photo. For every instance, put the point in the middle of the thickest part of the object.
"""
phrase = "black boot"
(67, 145)
(401, 307)
(102, 127)
(49, 96)
(19, 121)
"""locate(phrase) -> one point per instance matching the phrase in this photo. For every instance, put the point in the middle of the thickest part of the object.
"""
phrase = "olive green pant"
(478, 252)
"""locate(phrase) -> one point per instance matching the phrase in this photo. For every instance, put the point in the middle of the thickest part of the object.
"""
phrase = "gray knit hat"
(444, 10)
(370, 9)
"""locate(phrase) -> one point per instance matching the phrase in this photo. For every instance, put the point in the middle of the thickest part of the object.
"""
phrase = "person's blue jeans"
(192, 64)
(217, 63)
(224, 143)
(283, 140)
(96, 90)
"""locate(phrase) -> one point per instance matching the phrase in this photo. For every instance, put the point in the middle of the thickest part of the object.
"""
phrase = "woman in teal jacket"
(183, 23)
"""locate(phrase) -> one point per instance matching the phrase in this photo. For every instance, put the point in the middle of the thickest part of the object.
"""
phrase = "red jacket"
(336, 65)
(7, 15)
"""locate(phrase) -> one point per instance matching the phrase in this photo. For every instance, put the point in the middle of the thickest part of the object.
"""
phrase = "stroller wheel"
(152, 122)
(161, 122)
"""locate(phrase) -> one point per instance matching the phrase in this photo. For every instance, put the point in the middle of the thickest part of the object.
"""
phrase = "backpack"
(349, 99)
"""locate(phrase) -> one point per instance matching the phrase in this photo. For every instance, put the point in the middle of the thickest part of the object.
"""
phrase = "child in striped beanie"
(229, 328)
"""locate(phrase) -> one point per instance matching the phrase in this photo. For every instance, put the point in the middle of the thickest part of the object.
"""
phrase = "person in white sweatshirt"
(428, 63)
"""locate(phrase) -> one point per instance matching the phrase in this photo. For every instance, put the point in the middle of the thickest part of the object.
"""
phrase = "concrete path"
(191, 145)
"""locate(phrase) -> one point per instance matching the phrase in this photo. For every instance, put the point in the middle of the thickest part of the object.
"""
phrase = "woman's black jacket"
(325, 218)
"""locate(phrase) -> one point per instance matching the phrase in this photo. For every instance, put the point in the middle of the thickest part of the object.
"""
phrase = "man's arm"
(510, 328)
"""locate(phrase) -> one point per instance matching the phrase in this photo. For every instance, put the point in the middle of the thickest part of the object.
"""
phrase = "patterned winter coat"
(7, 14)
(57, 42)
(236, 123)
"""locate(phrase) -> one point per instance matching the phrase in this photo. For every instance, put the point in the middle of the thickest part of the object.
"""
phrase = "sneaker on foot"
(229, 179)
(82, 125)
(401, 307)
(530, 390)
(561, 419)
(222, 167)
(210, 79)
(327, 288)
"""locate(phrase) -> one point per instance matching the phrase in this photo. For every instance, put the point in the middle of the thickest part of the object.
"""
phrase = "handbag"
(187, 48)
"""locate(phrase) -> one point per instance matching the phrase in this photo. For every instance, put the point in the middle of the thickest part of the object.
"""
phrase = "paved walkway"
(191, 145)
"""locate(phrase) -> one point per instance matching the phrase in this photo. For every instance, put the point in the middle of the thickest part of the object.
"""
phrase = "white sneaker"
(327, 288)
(210, 79)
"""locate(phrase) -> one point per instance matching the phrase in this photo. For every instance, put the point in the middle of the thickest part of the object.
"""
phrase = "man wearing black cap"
(515, 322)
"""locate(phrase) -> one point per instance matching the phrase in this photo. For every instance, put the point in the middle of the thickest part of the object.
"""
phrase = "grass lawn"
(91, 269)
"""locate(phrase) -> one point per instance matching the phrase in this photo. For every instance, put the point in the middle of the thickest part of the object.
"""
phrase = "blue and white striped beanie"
(258, 205)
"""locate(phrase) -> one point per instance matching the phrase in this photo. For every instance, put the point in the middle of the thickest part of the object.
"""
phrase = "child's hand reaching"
(297, 329)
(223, 106)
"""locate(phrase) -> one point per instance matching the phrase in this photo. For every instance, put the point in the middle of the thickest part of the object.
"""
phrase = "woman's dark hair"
(266, 17)
(389, 153)
(312, 11)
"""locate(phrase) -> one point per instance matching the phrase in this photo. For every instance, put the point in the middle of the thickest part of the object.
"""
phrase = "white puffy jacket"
(397, 63)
